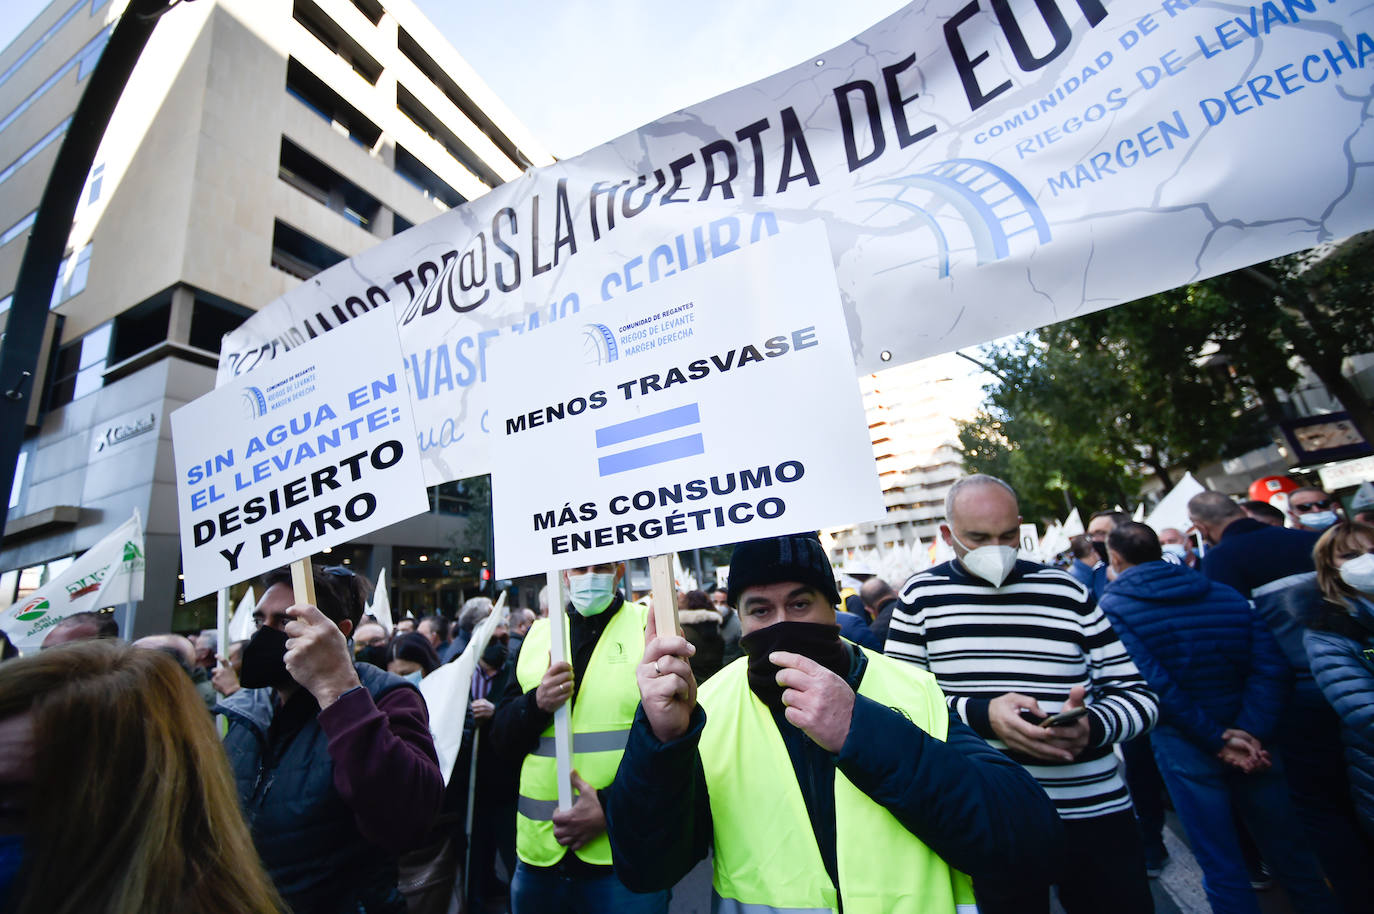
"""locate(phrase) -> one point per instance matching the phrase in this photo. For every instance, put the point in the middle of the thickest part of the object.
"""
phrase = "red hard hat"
(1267, 488)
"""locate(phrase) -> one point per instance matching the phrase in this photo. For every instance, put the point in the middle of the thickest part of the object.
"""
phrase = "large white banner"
(318, 449)
(980, 170)
(717, 406)
(110, 573)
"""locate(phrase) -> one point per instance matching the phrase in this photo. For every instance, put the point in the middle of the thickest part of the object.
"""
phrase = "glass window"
(80, 366)
(19, 228)
(34, 150)
(42, 40)
(91, 50)
(93, 183)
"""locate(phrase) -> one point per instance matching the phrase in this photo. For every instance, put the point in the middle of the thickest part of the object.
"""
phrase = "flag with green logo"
(110, 573)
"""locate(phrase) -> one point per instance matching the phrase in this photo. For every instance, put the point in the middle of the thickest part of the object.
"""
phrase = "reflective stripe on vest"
(766, 856)
(731, 906)
(607, 697)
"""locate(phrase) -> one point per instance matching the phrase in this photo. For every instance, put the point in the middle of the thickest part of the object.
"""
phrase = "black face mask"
(374, 654)
(817, 641)
(264, 660)
(495, 654)
(1101, 550)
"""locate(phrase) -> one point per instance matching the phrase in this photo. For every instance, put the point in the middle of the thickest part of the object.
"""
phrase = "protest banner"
(981, 170)
(110, 573)
(316, 451)
(1030, 542)
(716, 407)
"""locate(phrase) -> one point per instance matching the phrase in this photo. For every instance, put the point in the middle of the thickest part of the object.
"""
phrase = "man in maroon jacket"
(334, 763)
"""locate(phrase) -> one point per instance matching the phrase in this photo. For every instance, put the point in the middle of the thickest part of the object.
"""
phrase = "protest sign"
(317, 450)
(1030, 542)
(981, 170)
(712, 408)
(108, 574)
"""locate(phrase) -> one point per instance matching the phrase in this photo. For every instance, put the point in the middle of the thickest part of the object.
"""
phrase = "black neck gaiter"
(815, 640)
(264, 660)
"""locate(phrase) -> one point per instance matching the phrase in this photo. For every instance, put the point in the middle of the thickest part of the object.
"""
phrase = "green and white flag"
(110, 573)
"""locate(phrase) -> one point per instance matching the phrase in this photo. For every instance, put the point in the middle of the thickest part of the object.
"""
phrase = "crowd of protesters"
(985, 732)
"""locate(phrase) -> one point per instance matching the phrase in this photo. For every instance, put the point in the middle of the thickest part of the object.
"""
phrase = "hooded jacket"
(1208, 655)
(1342, 656)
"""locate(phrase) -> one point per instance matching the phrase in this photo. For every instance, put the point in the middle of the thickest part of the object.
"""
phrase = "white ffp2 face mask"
(591, 593)
(991, 563)
(1359, 573)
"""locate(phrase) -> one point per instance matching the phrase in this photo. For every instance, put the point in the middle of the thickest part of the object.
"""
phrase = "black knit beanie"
(799, 557)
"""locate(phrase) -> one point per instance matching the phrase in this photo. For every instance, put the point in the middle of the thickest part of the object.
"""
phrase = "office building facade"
(257, 143)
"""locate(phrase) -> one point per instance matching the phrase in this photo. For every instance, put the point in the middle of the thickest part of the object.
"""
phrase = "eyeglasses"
(1313, 506)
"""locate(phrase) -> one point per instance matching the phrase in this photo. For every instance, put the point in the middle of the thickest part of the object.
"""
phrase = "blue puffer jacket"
(1210, 658)
(1343, 664)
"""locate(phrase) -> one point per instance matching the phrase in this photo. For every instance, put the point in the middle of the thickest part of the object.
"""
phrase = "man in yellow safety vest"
(822, 776)
(564, 857)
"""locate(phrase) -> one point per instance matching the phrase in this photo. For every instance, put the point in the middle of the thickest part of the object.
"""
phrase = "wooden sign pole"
(562, 718)
(303, 582)
(665, 594)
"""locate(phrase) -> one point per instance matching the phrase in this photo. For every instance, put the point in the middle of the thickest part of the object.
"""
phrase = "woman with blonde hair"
(1340, 648)
(115, 794)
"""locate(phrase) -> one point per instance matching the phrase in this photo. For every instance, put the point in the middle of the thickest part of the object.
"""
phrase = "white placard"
(1346, 473)
(981, 168)
(716, 407)
(1030, 542)
(315, 450)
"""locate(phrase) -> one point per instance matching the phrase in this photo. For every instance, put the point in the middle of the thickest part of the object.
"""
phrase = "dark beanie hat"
(799, 557)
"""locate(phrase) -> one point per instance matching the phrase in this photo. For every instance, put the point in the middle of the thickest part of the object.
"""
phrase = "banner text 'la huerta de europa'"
(981, 167)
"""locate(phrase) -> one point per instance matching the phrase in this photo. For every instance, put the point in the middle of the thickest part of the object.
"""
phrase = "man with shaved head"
(1011, 643)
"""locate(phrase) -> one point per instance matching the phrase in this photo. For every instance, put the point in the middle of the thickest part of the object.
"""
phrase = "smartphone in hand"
(1064, 718)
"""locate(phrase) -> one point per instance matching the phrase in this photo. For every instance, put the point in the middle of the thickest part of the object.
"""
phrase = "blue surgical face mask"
(1178, 550)
(414, 678)
(591, 593)
(1319, 520)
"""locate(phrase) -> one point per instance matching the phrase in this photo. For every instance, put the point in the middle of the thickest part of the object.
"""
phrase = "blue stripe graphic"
(651, 454)
(651, 424)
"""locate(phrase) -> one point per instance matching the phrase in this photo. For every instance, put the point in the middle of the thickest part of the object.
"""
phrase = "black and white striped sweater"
(1039, 634)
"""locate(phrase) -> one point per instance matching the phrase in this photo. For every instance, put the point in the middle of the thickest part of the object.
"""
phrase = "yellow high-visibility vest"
(607, 697)
(766, 856)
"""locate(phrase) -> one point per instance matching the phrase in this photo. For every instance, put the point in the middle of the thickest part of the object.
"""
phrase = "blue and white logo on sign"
(599, 344)
(993, 206)
(647, 455)
(254, 403)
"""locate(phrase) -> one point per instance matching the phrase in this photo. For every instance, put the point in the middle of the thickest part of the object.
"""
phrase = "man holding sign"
(604, 636)
(334, 763)
(877, 761)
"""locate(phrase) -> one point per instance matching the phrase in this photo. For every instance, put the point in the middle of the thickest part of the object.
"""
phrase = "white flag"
(446, 690)
(1172, 510)
(1073, 524)
(108, 574)
(241, 625)
(380, 607)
